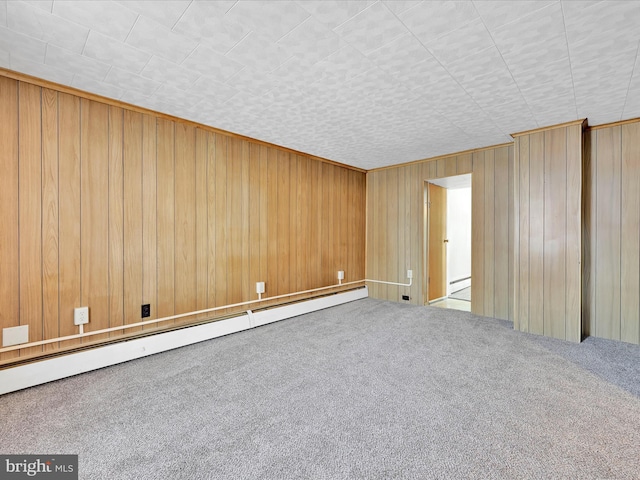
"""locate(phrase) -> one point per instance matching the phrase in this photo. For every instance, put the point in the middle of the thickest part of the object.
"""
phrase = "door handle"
(446, 241)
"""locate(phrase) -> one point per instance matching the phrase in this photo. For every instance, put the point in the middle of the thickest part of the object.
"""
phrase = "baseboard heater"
(37, 373)
(459, 280)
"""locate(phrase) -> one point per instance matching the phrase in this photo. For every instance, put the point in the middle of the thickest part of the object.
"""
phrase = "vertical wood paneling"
(50, 217)
(293, 243)
(451, 166)
(511, 279)
(9, 236)
(284, 219)
(382, 225)
(222, 226)
(343, 219)
(336, 226)
(432, 170)
(201, 216)
(536, 238)
(418, 210)
(211, 221)
(608, 233)
(315, 225)
(69, 198)
(478, 223)
(464, 164)
(94, 222)
(30, 213)
(244, 178)
(401, 233)
(264, 214)
(361, 253)
(407, 257)
(372, 231)
(588, 233)
(573, 235)
(302, 224)
(254, 217)
(524, 234)
(515, 228)
(149, 216)
(271, 287)
(133, 218)
(630, 235)
(396, 200)
(501, 234)
(549, 248)
(185, 219)
(117, 291)
(351, 225)
(166, 218)
(392, 234)
(489, 232)
(110, 208)
(555, 223)
(611, 233)
(325, 228)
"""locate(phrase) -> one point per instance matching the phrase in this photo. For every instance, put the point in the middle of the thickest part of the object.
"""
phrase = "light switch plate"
(15, 335)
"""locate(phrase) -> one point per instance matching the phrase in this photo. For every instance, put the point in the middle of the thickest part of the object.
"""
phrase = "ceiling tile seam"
(47, 42)
(310, 17)
(633, 70)
(148, 77)
(181, 15)
(131, 29)
(231, 7)
(400, 12)
(447, 70)
(237, 43)
(508, 69)
(85, 44)
(542, 6)
(354, 16)
(566, 38)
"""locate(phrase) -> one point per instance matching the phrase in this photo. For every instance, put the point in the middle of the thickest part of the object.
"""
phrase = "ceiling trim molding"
(582, 122)
(613, 124)
(117, 103)
(440, 157)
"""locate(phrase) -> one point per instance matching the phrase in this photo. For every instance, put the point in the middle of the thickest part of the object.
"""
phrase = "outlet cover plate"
(15, 335)
(81, 316)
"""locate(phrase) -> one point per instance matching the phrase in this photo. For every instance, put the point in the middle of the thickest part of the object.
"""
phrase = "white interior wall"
(459, 235)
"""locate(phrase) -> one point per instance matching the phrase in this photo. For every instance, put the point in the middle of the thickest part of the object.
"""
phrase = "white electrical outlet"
(15, 335)
(259, 287)
(409, 273)
(340, 274)
(81, 316)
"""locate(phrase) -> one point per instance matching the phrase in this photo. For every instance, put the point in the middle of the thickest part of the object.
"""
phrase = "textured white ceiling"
(365, 83)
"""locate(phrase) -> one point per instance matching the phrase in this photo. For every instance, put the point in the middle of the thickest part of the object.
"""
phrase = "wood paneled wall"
(112, 208)
(548, 195)
(611, 233)
(396, 227)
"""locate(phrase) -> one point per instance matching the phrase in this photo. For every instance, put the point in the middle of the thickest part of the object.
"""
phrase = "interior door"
(437, 246)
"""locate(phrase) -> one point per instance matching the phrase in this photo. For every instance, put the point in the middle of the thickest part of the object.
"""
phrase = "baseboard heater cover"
(37, 373)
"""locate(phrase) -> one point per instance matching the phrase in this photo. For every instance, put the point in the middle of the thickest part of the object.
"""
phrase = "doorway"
(448, 242)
